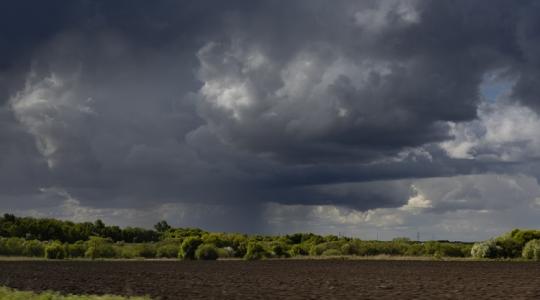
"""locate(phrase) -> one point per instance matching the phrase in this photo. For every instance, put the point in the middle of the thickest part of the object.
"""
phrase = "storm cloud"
(244, 115)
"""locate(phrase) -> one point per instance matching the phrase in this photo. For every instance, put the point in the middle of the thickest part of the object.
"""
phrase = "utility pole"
(418, 236)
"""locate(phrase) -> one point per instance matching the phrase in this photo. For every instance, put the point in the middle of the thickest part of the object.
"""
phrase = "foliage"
(255, 251)
(523, 236)
(509, 246)
(532, 250)
(11, 294)
(55, 250)
(279, 249)
(331, 252)
(487, 249)
(298, 250)
(167, 251)
(146, 250)
(182, 233)
(30, 236)
(76, 250)
(98, 247)
(206, 252)
(188, 248)
(11, 246)
(45, 229)
(33, 248)
(317, 250)
(162, 226)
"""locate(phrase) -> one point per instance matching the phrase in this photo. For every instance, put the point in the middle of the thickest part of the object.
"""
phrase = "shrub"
(167, 251)
(298, 250)
(12, 246)
(319, 249)
(217, 239)
(348, 249)
(206, 252)
(532, 250)
(126, 251)
(278, 250)
(487, 249)
(76, 250)
(55, 250)
(226, 252)
(369, 248)
(415, 250)
(34, 248)
(100, 248)
(510, 247)
(188, 248)
(255, 251)
(146, 251)
(331, 252)
(450, 250)
(523, 236)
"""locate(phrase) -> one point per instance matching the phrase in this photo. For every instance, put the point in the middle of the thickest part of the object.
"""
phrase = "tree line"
(47, 229)
(57, 239)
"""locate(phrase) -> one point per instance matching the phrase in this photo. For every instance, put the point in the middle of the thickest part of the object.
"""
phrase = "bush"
(34, 248)
(188, 248)
(450, 250)
(524, 236)
(12, 246)
(167, 251)
(298, 250)
(510, 247)
(532, 250)
(76, 250)
(487, 249)
(319, 249)
(278, 250)
(55, 250)
(146, 251)
(100, 248)
(126, 251)
(369, 248)
(348, 249)
(256, 251)
(206, 252)
(415, 250)
(331, 252)
(226, 252)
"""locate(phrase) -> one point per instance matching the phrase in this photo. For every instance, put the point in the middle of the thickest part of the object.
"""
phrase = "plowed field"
(280, 279)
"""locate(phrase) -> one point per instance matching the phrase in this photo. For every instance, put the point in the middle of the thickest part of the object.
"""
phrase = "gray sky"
(353, 117)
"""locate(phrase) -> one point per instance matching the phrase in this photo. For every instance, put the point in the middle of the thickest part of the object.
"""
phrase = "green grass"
(11, 294)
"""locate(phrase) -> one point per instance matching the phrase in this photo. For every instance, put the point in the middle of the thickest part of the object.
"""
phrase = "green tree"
(532, 250)
(55, 250)
(487, 249)
(162, 226)
(98, 247)
(206, 252)
(256, 251)
(188, 248)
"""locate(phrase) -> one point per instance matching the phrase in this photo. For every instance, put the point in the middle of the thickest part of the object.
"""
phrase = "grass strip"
(12, 294)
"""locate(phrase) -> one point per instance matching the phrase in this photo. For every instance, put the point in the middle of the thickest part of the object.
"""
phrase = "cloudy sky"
(363, 118)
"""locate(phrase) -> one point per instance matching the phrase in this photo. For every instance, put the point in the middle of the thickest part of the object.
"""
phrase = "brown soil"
(280, 279)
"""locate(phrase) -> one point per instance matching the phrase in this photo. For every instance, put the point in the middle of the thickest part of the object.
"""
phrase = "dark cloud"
(135, 104)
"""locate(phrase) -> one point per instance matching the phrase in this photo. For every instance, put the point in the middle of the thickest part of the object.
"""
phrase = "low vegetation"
(24, 237)
(517, 243)
(11, 294)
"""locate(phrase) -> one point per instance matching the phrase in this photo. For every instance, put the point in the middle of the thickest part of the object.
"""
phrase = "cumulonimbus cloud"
(345, 104)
